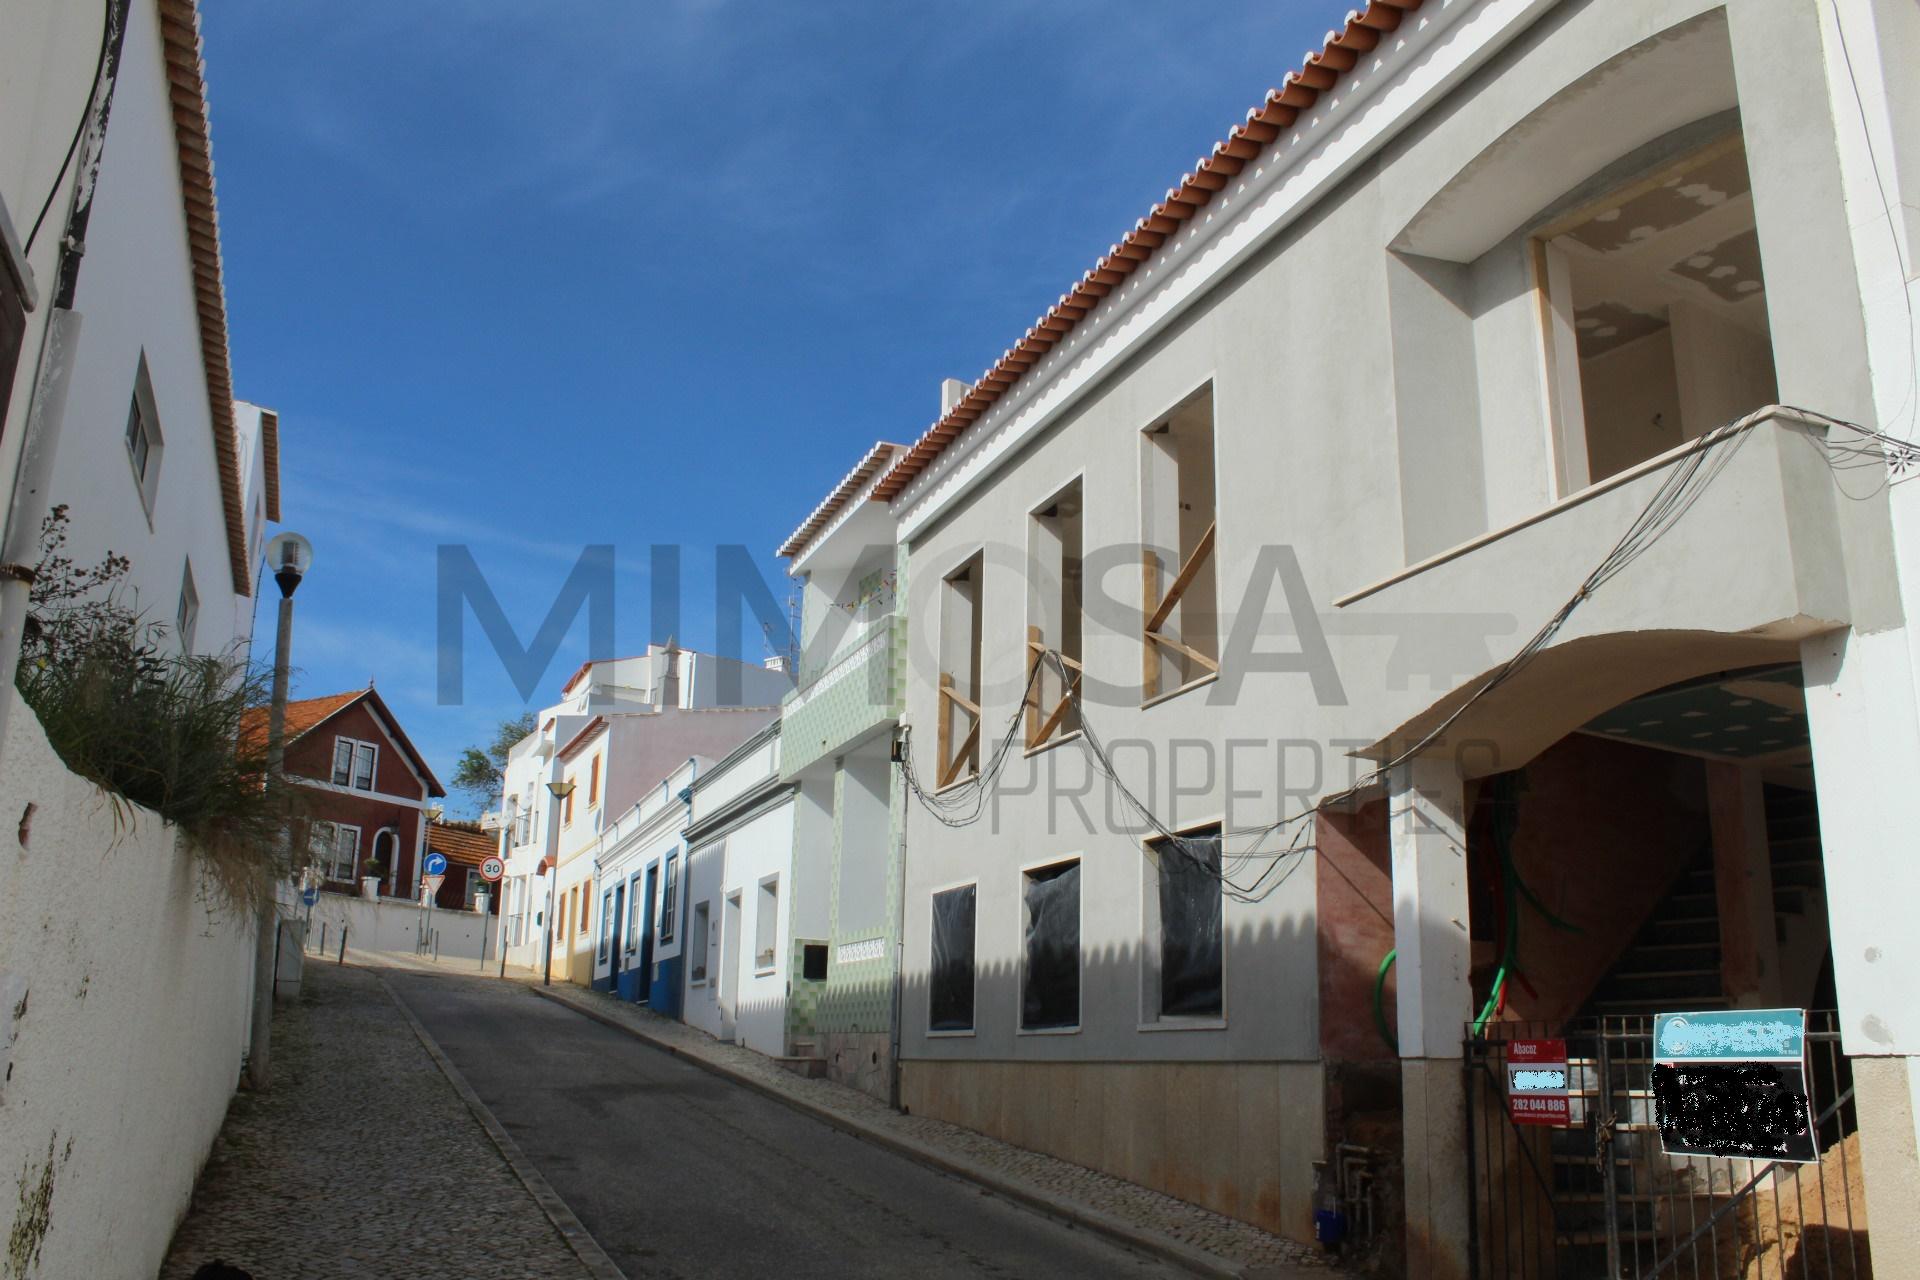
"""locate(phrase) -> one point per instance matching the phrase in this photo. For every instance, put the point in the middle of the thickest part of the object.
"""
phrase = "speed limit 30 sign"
(492, 868)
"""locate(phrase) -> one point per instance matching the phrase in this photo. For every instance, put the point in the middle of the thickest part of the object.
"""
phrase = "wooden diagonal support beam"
(1186, 650)
(1183, 579)
(967, 745)
(1058, 717)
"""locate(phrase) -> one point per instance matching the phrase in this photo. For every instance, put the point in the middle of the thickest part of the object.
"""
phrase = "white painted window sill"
(1048, 1031)
(951, 1035)
(1185, 1024)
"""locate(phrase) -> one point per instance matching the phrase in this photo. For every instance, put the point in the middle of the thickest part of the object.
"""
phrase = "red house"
(367, 790)
(466, 846)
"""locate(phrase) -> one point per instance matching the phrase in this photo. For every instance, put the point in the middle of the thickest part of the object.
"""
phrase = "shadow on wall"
(1209, 1115)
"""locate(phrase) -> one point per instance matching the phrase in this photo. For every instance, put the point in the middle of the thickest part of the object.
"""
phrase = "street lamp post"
(561, 789)
(291, 556)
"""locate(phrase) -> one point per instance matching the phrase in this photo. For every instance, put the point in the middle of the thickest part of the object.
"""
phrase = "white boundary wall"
(394, 924)
(124, 1025)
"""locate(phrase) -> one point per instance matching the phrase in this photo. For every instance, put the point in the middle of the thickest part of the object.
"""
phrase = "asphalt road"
(679, 1173)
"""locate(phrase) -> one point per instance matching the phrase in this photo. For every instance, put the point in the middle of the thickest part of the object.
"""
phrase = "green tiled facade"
(848, 700)
(859, 992)
(849, 1016)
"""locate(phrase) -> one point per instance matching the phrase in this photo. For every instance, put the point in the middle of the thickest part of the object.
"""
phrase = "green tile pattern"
(819, 720)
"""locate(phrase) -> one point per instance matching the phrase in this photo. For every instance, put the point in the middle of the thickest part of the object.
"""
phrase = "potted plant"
(371, 873)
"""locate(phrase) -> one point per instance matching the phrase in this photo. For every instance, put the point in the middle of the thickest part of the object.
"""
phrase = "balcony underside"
(1751, 561)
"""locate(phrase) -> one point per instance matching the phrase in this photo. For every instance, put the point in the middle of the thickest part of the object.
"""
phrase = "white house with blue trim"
(640, 867)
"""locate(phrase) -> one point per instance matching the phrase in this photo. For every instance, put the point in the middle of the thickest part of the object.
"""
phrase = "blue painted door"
(646, 934)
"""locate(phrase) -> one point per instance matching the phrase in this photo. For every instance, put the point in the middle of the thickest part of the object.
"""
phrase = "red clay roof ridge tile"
(1319, 71)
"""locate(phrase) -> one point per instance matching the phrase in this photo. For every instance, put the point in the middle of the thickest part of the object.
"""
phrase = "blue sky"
(525, 277)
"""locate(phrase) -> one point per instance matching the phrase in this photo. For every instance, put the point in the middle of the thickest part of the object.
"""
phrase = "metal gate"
(1599, 1200)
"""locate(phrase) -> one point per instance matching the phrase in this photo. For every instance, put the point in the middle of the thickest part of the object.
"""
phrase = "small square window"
(336, 848)
(355, 763)
(813, 962)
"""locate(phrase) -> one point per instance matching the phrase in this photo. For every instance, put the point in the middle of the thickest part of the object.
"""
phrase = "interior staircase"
(1673, 963)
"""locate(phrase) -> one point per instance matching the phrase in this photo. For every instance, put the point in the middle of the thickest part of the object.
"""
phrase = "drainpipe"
(685, 912)
(899, 935)
(52, 372)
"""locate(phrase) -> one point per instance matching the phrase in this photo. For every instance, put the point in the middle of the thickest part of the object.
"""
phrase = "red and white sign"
(430, 886)
(1537, 1082)
(492, 868)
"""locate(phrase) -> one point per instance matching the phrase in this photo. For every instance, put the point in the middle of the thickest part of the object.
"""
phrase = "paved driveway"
(678, 1173)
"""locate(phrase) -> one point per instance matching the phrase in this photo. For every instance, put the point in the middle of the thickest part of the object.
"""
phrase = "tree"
(481, 771)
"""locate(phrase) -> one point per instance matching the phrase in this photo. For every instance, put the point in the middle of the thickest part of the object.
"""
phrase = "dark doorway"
(619, 917)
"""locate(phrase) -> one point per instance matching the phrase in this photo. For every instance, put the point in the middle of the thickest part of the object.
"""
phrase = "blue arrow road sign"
(436, 864)
(310, 896)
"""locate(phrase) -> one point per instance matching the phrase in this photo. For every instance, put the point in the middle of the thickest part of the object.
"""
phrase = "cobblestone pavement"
(1245, 1246)
(360, 1161)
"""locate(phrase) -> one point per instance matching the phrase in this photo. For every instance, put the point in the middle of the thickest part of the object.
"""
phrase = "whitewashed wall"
(395, 924)
(136, 294)
(126, 1002)
(760, 849)
(46, 76)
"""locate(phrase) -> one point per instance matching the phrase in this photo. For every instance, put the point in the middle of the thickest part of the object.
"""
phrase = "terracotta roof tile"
(462, 842)
(588, 731)
(193, 143)
(863, 471)
(302, 715)
(1319, 71)
(270, 456)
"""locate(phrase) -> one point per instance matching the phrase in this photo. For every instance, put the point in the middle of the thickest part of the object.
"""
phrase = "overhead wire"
(79, 128)
(1688, 477)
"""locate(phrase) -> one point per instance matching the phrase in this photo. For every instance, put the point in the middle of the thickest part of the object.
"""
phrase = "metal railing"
(1600, 1200)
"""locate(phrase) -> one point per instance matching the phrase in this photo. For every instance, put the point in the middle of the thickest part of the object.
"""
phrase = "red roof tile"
(1264, 123)
(462, 842)
(304, 715)
(193, 145)
(876, 457)
(588, 731)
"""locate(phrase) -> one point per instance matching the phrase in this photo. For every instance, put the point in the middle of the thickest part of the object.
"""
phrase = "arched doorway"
(1661, 855)
(386, 854)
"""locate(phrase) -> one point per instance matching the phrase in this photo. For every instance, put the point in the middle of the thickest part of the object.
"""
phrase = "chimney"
(952, 392)
(670, 675)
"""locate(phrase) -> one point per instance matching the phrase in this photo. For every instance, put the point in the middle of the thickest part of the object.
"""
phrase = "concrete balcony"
(1754, 548)
(856, 691)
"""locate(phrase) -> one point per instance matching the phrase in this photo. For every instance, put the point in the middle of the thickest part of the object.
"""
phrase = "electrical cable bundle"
(1686, 480)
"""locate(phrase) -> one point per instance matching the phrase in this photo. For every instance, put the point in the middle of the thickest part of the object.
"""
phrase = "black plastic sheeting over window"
(950, 991)
(1051, 997)
(1190, 926)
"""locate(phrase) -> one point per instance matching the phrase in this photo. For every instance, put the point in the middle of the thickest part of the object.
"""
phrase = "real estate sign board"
(1537, 1082)
(1733, 1082)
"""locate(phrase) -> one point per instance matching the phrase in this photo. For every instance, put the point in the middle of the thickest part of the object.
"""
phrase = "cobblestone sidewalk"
(360, 1161)
(1246, 1248)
